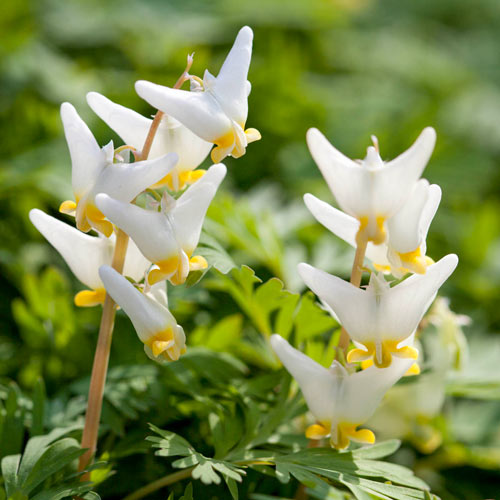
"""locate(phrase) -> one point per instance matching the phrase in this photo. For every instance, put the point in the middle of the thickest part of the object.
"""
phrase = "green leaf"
(10, 466)
(38, 411)
(188, 492)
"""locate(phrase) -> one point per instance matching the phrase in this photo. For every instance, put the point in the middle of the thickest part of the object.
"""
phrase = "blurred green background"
(351, 68)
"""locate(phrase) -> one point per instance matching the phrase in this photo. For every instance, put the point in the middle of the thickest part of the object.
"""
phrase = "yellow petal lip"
(347, 432)
(159, 346)
(317, 431)
(381, 356)
(197, 263)
(90, 298)
(184, 179)
(67, 207)
(413, 370)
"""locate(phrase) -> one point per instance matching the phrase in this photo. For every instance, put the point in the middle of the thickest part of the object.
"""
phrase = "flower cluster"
(165, 234)
(386, 213)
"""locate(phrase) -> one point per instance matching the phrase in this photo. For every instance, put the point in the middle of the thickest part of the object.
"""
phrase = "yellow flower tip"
(184, 179)
(366, 364)
(380, 233)
(67, 207)
(252, 135)
(367, 232)
(364, 436)
(161, 341)
(357, 355)
(98, 221)
(317, 431)
(159, 346)
(413, 370)
(197, 263)
(415, 261)
(347, 432)
(90, 298)
(381, 268)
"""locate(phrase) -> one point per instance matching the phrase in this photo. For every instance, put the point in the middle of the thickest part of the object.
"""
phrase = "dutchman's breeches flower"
(168, 238)
(380, 319)
(171, 137)
(216, 110)
(339, 401)
(371, 190)
(156, 327)
(93, 172)
(405, 247)
(84, 254)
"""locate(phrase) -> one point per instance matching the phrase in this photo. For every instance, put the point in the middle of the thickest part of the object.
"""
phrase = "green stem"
(159, 483)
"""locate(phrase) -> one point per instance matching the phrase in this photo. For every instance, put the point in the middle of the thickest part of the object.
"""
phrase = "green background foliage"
(352, 68)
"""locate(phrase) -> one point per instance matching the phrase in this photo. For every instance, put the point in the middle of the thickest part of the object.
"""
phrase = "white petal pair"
(339, 401)
(380, 318)
(405, 247)
(84, 254)
(93, 172)
(370, 190)
(168, 238)
(153, 322)
(171, 136)
(218, 111)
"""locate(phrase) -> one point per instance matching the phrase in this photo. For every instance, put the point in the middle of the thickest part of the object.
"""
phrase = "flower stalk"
(101, 360)
(103, 348)
(356, 275)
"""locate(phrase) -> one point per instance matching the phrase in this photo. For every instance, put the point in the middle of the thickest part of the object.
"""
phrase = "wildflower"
(171, 136)
(84, 254)
(93, 171)
(217, 109)
(153, 322)
(371, 190)
(405, 248)
(380, 318)
(168, 238)
(339, 401)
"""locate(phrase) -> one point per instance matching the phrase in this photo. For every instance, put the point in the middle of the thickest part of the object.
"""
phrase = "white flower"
(153, 322)
(380, 318)
(405, 248)
(93, 171)
(339, 401)
(168, 238)
(370, 190)
(84, 254)
(218, 112)
(171, 136)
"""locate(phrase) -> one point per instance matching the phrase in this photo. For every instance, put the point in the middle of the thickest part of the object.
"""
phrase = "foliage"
(350, 68)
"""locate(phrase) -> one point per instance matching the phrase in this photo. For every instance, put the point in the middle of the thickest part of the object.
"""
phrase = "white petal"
(354, 307)
(151, 231)
(339, 223)
(147, 315)
(158, 292)
(408, 228)
(345, 178)
(396, 179)
(198, 111)
(133, 128)
(83, 253)
(136, 264)
(87, 158)
(317, 383)
(231, 83)
(124, 181)
(345, 227)
(365, 389)
(401, 309)
(191, 207)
